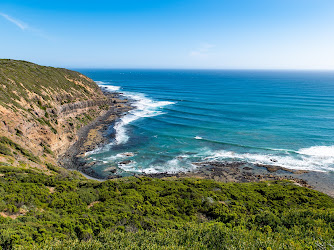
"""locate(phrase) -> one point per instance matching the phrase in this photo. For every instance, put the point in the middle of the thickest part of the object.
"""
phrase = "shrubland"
(66, 211)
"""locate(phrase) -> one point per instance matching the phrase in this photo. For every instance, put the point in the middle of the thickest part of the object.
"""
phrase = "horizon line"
(168, 68)
(226, 69)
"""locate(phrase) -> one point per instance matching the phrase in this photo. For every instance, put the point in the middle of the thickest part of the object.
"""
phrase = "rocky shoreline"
(94, 135)
(242, 172)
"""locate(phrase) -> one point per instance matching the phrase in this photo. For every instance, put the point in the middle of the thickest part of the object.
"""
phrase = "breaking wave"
(317, 158)
(144, 107)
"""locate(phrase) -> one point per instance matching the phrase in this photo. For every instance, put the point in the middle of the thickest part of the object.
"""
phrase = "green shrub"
(5, 150)
(66, 211)
(6, 141)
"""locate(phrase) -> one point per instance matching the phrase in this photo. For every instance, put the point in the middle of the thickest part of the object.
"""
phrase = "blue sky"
(217, 34)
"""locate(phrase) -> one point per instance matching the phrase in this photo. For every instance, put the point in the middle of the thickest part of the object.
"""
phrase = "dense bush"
(5, 150)
(212, 235)
(65, 210)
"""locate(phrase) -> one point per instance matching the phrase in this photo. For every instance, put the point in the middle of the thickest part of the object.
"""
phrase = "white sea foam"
(319, 158)
(319, 151)
(198, 138)
(150, 170)
(115, 157)
(144, 107)
(108, 87)
(130, 167)
(178, 164)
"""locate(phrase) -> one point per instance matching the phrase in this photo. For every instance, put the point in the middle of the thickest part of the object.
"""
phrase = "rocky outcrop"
(71, 107)
(43, 108)
(240, 172)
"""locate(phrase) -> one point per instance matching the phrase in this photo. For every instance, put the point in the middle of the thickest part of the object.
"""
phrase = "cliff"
(42, 109)
(42, 206)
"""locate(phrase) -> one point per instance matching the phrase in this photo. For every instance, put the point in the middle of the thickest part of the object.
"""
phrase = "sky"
(187, 34)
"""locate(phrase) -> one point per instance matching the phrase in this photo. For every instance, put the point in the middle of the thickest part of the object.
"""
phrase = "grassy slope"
(65, 210)
(19, 78)
(30, 96)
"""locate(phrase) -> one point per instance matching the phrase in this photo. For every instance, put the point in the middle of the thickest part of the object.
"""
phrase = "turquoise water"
(270, 117)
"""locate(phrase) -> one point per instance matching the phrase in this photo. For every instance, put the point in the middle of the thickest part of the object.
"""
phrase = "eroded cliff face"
(41, 110)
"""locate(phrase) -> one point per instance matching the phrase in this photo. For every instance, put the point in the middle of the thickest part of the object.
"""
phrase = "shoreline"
(94, 135)
(243, 172)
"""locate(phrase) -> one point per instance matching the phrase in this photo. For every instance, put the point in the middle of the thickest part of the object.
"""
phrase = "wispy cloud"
(18, 23)
(203, 51)
(25, 27)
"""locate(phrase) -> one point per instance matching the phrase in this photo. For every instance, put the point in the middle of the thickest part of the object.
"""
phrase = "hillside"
(44, 206)
(41, 110)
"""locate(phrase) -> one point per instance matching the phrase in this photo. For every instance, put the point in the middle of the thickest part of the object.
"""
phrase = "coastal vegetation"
(66, 211)
(44, 206)
(24, 80)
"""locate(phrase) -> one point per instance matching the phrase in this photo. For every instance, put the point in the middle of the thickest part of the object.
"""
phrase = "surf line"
(143, 107)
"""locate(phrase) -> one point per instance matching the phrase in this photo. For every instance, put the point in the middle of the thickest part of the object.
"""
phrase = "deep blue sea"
(281, 118)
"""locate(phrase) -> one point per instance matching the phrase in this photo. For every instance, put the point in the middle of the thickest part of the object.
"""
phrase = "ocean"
(283, 118)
